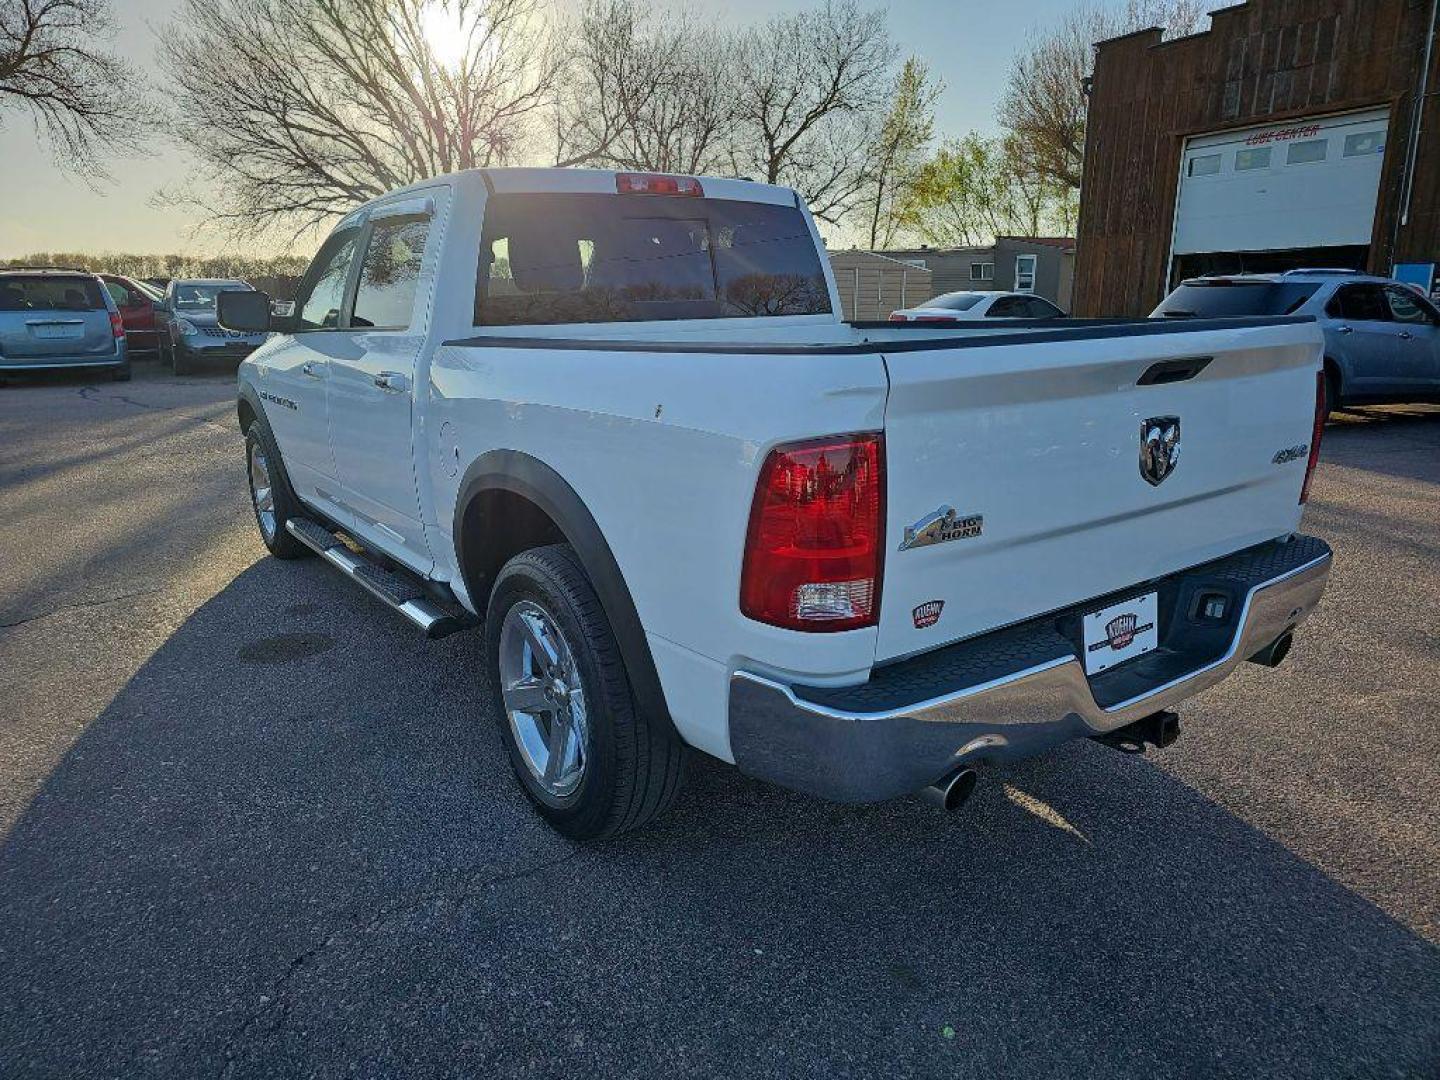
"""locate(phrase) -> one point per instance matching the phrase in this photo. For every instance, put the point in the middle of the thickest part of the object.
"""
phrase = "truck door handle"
(392, 382)
(310, 369)
(1343, 330)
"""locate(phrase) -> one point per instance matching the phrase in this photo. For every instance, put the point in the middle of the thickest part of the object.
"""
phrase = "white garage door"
(1309, 183)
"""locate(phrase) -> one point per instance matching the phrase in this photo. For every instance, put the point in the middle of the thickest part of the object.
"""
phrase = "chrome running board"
(400, 591)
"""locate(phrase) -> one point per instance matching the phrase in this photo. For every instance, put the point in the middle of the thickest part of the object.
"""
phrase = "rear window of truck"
(46, 292)
(563, 258)
(1235, 299)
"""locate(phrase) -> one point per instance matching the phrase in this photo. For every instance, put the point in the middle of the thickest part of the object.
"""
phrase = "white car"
(974, 306)
(617, 420)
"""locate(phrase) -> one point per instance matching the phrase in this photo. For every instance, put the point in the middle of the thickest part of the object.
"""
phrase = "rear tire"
(122, 373)
(1332, 393)
(630, 766)
(270, 495)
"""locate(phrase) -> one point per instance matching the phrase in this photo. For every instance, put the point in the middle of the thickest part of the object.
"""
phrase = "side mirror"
(245, 311)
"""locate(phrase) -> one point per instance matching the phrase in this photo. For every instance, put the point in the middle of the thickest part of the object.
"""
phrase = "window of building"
(982, 271)
(1364, 142)
(1204, 165)
(1254, 158)
(1301, 153)
(1025, 273)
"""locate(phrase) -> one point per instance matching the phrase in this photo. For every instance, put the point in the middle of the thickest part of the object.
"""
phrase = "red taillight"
(1322, 408)
(935, 318)
(117, 325)
(634, 183)
(895, 316)
(814, 552)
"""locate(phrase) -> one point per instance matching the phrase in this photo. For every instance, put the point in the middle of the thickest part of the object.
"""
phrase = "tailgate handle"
(1168, 371)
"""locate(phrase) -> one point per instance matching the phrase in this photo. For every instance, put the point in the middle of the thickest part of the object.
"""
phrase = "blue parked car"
(1382, 337)
(53, 318)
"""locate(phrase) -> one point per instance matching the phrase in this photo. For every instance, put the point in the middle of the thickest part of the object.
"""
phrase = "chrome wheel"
(261, 491)
(545, 703)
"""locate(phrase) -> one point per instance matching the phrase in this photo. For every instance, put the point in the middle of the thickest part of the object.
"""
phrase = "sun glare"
(448, 27)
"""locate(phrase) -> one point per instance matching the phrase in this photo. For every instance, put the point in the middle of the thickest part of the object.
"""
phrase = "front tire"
(270, 495)
(589, 761)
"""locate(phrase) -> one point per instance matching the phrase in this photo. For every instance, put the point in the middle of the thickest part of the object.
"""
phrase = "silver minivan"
(54, 318)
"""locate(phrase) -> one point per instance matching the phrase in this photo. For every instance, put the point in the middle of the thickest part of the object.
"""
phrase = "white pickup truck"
(618, 420)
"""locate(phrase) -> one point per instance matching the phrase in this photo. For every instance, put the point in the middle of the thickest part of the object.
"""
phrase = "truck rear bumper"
(1018, 691)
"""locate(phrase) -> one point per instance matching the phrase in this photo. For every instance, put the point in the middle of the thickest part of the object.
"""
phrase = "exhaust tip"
(1273, 655)
(951, 793)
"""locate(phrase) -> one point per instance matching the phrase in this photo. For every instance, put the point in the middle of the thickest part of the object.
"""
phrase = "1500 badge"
(940, 527)
(283, 402)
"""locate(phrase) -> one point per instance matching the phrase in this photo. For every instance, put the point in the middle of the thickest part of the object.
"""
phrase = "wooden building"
(1284, 136)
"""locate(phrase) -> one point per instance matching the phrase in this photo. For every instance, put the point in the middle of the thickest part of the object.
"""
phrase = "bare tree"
(898, 153)
(1044, 104)
(975, 189)
(52, 64)
(298, 109)
(644, 91)
(811, 93)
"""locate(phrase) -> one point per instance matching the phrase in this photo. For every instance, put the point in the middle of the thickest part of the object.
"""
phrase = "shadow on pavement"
(291, 845)
(1401, 441)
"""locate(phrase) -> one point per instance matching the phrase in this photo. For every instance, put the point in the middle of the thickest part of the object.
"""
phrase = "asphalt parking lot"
(251, 824)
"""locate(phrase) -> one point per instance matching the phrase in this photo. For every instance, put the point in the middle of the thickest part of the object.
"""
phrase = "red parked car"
(137, 302)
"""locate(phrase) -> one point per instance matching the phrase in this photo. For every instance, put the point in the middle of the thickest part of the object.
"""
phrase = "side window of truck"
(322, 293)
(390, 272)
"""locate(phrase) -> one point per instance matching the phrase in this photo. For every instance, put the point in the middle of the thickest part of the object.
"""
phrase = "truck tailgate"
(1036, 446)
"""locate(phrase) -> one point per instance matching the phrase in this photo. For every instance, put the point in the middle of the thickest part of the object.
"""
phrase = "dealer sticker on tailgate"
(1120, 632)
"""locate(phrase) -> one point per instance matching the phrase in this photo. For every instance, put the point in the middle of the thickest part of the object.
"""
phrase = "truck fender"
(247, 405)
(520, 474)
(248, 409)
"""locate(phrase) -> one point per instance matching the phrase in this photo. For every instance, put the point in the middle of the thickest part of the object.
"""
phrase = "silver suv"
(1382, 337)
(53, 318)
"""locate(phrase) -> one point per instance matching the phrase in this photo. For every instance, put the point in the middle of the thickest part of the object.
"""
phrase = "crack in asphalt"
(92, 394)
(278, 998)
(81, 605)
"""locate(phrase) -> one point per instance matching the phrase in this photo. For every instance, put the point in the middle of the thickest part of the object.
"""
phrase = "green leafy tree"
(899, 152)
(974, 189)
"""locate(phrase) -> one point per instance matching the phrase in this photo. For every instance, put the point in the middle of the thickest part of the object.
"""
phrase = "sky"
(45, 207)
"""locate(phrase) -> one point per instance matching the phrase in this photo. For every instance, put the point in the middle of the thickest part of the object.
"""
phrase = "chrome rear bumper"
(1018, 691)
